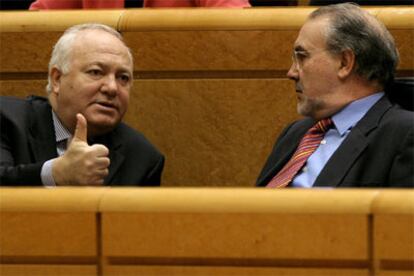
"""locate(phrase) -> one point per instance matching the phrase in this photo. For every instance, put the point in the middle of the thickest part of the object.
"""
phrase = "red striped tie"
(307, 146)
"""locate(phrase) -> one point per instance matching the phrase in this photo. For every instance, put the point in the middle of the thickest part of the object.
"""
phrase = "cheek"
(316, 82)
(124, 99)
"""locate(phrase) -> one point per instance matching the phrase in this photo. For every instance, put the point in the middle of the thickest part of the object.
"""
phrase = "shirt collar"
(61, 132)
(353, 112)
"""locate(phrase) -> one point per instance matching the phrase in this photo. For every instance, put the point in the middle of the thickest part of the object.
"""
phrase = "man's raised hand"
(81, 164)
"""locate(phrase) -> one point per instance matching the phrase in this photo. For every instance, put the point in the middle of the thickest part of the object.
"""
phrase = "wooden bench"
(206, 231)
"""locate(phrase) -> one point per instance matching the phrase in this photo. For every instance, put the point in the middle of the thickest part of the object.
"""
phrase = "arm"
(20, 175)
(154, 176)
(11, 175)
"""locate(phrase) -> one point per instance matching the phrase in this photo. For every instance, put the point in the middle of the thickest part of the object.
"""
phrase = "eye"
(95, 72)
(124, 79)
(300, 56)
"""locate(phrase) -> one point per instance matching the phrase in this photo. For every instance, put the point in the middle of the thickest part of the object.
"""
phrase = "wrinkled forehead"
(94, 41)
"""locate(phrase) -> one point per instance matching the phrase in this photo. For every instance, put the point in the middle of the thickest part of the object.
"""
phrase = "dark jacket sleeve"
(12, 174)
(154, 176)
(402, 169)
(17, 165)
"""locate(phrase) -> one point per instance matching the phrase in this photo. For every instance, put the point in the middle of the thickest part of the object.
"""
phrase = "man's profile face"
(314, 71)
(97, 84)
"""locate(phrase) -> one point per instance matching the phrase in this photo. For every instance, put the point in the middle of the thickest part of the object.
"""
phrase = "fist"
(81, 164)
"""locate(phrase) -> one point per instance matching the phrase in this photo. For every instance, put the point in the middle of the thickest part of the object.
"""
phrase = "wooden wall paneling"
(218, 51)
(26, 52)
(393, 213)
(248, 228)
(43, 229)
(213, 132)
(57, 20)
(47, 270)
(188, 270)
(23, 88)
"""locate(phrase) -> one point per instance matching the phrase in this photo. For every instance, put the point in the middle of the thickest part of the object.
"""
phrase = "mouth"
(106, 105)
(298, 88)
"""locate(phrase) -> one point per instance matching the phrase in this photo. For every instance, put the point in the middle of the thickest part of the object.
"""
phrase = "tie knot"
(323, 125)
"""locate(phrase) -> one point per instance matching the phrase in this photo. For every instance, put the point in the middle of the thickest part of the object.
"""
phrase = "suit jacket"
(28, 140)
(378, 152)
(119, 4)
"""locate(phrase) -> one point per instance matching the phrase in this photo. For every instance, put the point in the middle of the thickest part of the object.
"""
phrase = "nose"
(293, 72)
(109, 86)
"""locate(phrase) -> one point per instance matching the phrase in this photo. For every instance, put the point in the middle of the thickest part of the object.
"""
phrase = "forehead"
(100, 44)
(312, 35)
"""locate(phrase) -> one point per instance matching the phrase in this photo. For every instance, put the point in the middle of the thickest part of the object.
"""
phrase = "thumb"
(81, 131)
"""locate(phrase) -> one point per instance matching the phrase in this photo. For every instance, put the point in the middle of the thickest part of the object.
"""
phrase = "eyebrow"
(103, 65)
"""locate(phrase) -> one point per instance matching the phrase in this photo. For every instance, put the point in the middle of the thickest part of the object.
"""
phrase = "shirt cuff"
(46, 174)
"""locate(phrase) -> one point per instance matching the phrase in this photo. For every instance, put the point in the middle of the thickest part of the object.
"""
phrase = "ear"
(347, 64)
(55, 77)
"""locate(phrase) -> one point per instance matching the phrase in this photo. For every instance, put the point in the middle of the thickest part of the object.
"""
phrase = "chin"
(100, 127)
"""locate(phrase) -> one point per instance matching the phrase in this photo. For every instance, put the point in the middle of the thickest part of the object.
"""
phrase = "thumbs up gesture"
(81, 164)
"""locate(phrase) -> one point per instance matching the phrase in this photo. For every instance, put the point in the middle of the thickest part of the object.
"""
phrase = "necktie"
(307, 146)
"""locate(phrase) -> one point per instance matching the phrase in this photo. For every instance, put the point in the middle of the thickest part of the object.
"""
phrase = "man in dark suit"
(76, 137)
(343, 58)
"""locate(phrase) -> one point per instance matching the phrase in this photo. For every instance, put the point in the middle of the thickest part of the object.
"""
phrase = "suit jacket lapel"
(284, 150)
(351, 148)
(342, 160)
(41, 134)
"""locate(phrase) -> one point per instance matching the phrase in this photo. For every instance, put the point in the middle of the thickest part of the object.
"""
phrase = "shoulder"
(7, 103)
(397, 117)
(11, 103)
(19, 111)
(14, 110)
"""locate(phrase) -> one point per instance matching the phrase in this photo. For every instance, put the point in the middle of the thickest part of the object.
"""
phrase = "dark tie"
(307, 146)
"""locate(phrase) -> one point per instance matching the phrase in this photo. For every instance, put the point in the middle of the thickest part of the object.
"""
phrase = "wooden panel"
(227, 271)
(394, 225)
(23, 88)
(394, 236)
(47, 234)
(180, 50)
(394, 232)
(396, 273)
(229, 126)
(26, 52)
(229, 226)
(211, 50)
(34, 21)
(404, 40)
(266, 236)
(59, 199)
(53, 223)
(197, 40)
(214, 19)
(47, 270)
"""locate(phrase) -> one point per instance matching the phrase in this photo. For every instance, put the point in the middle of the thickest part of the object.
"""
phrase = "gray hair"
(376, 56)
(62, 50)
